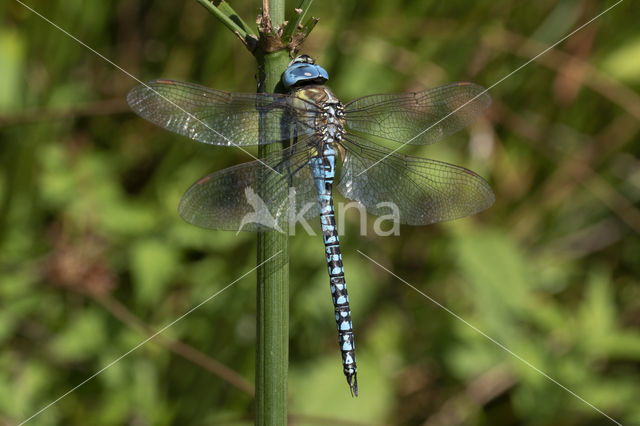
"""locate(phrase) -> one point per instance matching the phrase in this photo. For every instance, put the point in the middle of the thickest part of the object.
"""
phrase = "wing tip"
(480, 91)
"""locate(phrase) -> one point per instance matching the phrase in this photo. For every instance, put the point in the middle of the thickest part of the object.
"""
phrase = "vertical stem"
(273, 277)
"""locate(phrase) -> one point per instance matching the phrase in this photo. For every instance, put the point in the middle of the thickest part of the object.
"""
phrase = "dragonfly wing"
(253, 196)
(220, 118)
(424, 191)
(418, 118)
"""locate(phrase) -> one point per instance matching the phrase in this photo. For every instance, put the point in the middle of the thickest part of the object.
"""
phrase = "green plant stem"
(231, 20)
(272, 335)
(272, 357)
(227, 10)
(295, 18)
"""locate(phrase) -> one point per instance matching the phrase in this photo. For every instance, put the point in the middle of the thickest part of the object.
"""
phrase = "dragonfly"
(323, 141)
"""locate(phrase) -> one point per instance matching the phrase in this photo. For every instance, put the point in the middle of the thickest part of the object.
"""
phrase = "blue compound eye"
(303, 70)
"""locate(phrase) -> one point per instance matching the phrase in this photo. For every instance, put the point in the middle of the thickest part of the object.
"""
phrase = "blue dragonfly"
(318, 128)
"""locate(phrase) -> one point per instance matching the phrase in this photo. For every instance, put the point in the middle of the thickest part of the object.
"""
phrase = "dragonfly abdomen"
(340, 298)
(323, 171)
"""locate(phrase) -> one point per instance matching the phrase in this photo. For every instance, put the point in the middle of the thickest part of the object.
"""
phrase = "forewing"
(425, 191)
(418, 118)
(220, 118)
(253, 196)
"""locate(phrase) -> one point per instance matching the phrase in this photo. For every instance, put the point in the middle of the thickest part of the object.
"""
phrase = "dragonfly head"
(303, 70)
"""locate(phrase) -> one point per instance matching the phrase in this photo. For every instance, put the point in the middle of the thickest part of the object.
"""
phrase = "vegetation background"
(94, 257)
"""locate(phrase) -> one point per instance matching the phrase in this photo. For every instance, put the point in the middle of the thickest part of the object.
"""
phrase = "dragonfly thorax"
(330, 124)
(329, 119)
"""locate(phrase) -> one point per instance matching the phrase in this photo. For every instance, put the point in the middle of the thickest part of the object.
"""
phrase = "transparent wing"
(221, 118)
(253, 196)
(424, 191)
(418, 118)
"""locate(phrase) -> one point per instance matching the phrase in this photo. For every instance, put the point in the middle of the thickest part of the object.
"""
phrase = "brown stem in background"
(574, 171)
(103, 107)
(478, 393)
(123, 314)
(554, 59)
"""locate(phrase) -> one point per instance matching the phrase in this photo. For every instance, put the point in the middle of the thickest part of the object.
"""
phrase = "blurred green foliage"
(93, 256)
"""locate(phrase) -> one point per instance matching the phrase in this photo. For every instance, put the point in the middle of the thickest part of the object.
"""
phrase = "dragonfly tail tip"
(353, 385)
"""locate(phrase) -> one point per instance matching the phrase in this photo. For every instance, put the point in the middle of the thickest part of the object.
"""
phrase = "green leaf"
(84, 336)
(29, 382)
(321, 384)
(623, 63)
(128, 218)
(597, 313)
(497, 270)
(153, 266)
(11, 66)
